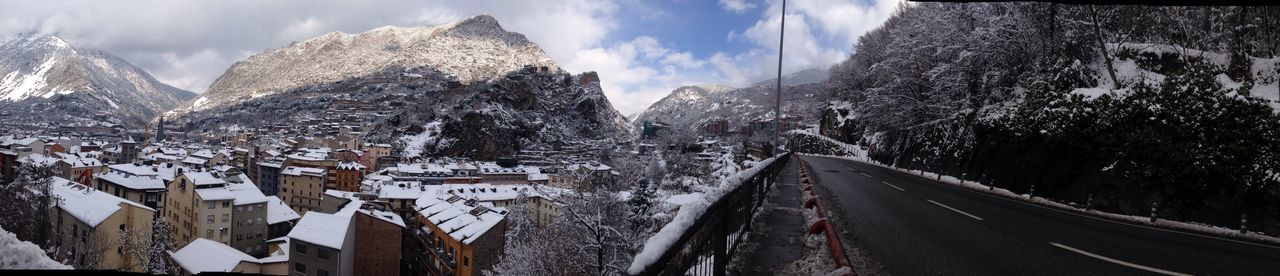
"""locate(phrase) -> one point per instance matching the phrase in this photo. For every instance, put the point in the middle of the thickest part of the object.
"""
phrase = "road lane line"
(954, 209)
(1119, 262)
(1074, 212)
(894, 186)
(864, 174)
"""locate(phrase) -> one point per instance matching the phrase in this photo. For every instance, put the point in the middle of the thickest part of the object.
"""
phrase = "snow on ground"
(686, 216)
(1073, 207)
(415, 144)
(18, 254)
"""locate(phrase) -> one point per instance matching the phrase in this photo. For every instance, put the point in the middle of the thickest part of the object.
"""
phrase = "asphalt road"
(907, 225)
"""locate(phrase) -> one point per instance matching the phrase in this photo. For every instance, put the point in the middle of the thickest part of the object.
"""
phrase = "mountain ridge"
(472, 49)
(45, 72)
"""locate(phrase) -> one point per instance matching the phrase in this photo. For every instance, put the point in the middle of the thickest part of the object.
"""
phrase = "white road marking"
(954, 209)
(864, 174)
(1119, 262)
(894, 186)
(1072, 212)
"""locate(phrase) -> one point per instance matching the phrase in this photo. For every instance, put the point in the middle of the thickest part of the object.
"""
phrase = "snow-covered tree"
(27, 201)
(147, 248)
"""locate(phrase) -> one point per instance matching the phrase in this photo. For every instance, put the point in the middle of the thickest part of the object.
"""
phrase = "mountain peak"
(472, 49)
(30, 39)
(480, 21)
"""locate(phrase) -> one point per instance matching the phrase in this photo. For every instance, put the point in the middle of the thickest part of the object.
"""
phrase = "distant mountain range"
(691, 107)
(43, 79)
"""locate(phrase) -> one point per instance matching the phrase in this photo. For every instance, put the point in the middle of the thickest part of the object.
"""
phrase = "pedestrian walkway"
(783, 228)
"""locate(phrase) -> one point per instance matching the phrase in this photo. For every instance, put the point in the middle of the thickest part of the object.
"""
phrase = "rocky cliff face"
(463, 89)
(45, 79)
(470, 50)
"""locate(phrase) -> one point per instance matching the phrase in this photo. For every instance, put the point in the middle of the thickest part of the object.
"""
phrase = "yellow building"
(198, 206)
(302, 188)
(87, 224)
(461, 237)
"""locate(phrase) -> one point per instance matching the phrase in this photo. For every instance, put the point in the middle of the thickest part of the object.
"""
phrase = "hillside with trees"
(1120, 108)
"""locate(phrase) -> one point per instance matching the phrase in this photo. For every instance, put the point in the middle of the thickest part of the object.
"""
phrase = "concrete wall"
(377, 246)
(249, 229)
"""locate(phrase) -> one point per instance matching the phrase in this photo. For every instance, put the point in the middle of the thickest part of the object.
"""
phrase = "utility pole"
(777, 112)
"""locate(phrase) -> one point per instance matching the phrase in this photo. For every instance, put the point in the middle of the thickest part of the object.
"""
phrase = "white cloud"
(189, 44)
(819, 33)
(636, 73)
(738, 6)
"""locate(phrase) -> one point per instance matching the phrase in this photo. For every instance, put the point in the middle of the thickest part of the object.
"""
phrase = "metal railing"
(712, 241)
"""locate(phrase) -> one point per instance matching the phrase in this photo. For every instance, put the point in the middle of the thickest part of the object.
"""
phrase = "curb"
(812, 201)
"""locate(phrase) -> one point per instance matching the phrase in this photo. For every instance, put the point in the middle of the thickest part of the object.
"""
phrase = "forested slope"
(1118, 107)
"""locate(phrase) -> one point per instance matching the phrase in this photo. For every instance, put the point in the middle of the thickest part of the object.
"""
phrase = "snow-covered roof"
(77, 161)
(278, 212)
(350, 166)
(203, 178)
(87, 204)
(219, 193)
(539, 177)
(401, 190)
(203, 154)
(194, 160)
(298, 171)
(322, 229)
(452, 215)
(384, 216)
(131, 181)
(38, 159)
(410, 168)
(202, 255)
(245, 192)
(270, 164)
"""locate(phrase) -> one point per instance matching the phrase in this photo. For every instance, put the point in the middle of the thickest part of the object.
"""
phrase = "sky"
(641, 49)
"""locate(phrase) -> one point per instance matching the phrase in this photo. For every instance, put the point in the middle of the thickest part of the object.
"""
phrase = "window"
(466, 261)
(226, 204)
(226, 217)
(299, 248)
(210, 204)
(322, 253)
(321, 272)
(300, 268)
(239, 208)
(208, 234)
(209, 219)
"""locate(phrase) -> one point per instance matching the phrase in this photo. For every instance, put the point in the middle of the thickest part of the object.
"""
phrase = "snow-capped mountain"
(43, 74)
(473, 49)
(806, 76)
(690, 107)
(490, 95)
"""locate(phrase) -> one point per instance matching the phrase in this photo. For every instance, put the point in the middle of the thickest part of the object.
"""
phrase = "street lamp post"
(777, 112)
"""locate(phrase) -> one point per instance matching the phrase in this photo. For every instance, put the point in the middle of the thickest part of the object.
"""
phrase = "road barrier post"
(1088, 204)
(1244, 227)
(1032, 193)
(1153, 212)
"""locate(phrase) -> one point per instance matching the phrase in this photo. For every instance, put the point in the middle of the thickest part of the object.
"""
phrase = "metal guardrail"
(711, 242)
